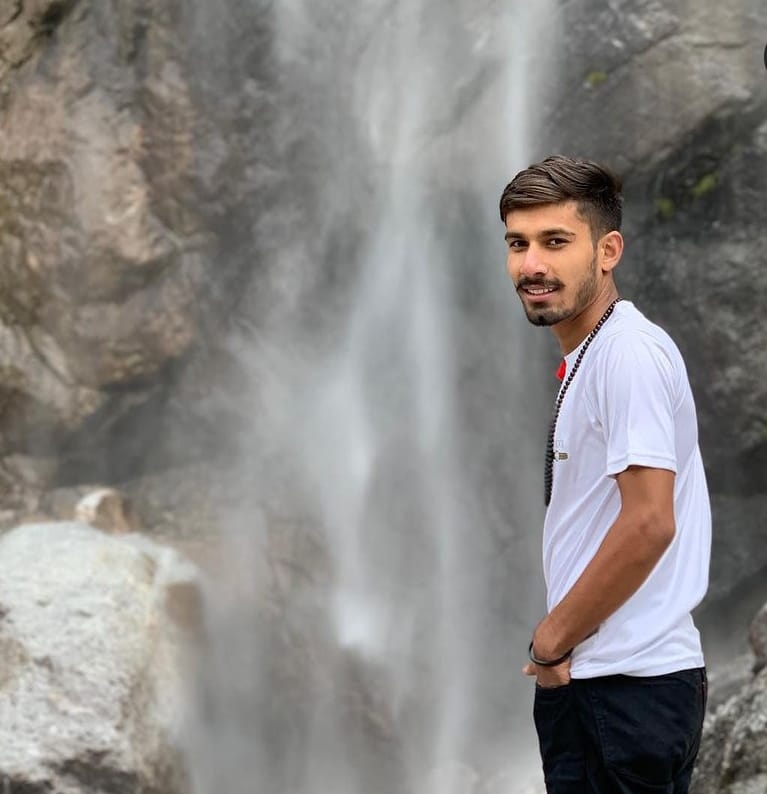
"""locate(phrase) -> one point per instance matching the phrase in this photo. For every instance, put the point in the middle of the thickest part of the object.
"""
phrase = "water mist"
(383, 576)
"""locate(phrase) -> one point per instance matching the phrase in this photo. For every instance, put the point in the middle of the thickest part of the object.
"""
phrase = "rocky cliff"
(129, 153)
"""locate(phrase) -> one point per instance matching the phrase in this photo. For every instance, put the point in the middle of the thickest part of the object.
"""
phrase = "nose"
(531, 263)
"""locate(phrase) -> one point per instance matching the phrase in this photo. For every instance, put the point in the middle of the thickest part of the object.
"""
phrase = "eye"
(556, 242)
(516, 245)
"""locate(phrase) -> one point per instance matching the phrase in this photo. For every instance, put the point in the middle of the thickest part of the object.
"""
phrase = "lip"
(543, 297)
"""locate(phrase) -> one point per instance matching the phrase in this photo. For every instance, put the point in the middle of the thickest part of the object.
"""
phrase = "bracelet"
(542, 662)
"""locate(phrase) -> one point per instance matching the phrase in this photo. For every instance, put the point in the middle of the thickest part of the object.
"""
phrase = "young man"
(620, 684)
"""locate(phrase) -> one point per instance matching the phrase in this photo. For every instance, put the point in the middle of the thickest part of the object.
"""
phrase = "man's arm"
(632, 547)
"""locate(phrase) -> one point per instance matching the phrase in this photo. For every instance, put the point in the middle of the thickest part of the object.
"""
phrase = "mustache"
(526, 282)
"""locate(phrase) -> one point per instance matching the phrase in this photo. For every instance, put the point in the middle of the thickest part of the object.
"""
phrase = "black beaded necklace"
(548, 476)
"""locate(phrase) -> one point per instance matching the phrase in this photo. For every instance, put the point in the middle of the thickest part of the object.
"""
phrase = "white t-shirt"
(629, 403)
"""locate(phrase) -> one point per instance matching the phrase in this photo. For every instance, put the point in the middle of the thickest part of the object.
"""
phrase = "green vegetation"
(595, 77)
(665, 207)
(704, 185)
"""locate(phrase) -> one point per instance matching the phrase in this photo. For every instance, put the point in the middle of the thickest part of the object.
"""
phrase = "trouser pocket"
(559, 739)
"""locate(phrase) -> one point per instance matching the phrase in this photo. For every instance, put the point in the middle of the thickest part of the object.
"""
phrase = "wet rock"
(106, 509)
(91, 690)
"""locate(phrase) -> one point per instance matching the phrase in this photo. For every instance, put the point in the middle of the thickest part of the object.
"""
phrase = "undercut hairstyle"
(596, 191)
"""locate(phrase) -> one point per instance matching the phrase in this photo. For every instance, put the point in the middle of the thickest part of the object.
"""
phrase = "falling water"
(385, 574)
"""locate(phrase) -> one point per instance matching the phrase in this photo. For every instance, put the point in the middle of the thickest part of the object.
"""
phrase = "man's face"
(552, 261)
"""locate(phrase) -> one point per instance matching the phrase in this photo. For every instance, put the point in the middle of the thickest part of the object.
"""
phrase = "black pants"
(621, 734)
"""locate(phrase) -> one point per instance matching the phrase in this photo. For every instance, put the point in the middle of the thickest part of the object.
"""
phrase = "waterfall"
(384, 579)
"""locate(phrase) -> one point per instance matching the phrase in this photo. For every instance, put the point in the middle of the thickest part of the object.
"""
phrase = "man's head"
(562, 220)
(557, 179)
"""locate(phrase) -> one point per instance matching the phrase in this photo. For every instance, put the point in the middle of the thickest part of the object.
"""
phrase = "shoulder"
(632, 341)
(636, 365)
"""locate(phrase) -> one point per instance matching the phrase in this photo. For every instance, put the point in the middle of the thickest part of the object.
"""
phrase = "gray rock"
(22, 481)
(757, 636)
(728, 679)
(739, 543)
(90, 651)
(733, 753)
(120, 141)
(756, 785)
(107, 509)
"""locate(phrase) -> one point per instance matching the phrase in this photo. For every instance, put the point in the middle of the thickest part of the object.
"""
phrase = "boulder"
(106, 509)
(92, 640)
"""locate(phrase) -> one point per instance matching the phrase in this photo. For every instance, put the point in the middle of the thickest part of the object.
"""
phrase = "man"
(620, 684)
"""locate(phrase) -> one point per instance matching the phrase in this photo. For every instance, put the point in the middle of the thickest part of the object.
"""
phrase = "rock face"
(758, 637)
(733, 758)
(733, 754)
(117, 206)
(90, 644)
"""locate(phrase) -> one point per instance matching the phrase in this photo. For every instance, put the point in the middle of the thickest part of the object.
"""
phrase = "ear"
(610, 250)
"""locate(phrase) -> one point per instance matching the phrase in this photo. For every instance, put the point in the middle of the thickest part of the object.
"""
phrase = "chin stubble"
(586, 291)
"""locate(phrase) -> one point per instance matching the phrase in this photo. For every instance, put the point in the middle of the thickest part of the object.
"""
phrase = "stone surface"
(728, 678)
(739, 547)
(23, 480)
(91, 691)
(733, 754)
(757, 636)
(106, 509)
(116, 213)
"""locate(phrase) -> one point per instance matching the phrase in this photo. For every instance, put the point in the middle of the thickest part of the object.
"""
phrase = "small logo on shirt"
(559, 453)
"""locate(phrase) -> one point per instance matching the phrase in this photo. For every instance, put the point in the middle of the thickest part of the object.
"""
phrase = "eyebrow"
(555, 232)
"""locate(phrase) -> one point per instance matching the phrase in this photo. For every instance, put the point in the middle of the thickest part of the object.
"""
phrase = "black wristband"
(544, 663)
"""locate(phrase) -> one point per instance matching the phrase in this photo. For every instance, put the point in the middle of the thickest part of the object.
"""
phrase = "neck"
(571, 332)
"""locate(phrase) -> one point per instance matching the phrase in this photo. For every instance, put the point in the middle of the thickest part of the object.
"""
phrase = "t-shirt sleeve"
(636, 403)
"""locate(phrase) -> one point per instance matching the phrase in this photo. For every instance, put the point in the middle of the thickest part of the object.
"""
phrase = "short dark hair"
(596, 190)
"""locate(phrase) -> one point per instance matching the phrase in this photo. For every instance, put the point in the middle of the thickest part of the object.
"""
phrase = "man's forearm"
(624, 560)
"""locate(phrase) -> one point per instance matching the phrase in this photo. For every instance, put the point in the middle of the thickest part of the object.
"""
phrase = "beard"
(551, 315)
